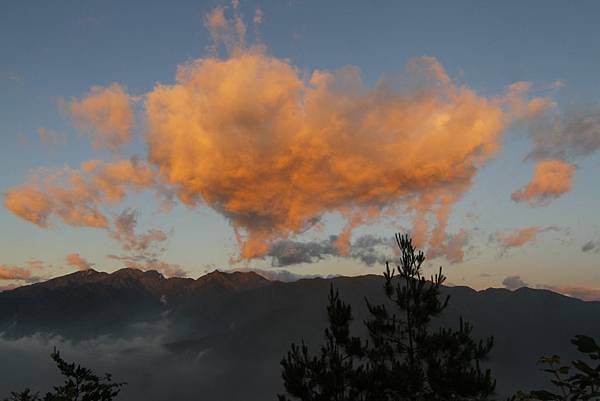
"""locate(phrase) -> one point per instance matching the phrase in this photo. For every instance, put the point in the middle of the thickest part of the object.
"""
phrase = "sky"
(297, 137)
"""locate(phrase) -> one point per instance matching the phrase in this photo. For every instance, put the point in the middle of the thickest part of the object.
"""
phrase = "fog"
(149, 368)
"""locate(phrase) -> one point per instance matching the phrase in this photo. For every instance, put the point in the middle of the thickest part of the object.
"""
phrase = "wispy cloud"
(142, 251)
(519, 237)
(30, 272)
(51, 136)
(591, 246)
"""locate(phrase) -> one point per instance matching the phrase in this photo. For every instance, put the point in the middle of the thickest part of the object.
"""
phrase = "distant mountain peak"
(78, 277)
(233, 280)
(136, 273)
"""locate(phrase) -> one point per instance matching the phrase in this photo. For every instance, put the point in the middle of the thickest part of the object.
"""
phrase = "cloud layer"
(367, 249)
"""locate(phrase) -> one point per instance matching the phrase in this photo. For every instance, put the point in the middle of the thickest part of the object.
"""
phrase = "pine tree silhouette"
(404, 359)
(333, 376)
(81, 384)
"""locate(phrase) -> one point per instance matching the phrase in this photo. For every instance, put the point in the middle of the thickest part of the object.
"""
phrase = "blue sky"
(59, 50)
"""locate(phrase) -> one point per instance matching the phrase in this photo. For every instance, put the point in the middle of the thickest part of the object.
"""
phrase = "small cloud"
(551, 179)
(105, 114)
(258, 16)
(513, 282)
(76, 260)
(52, 137)
(452, 248)
(568, 136)
(16, 78)
(519, 237)
(591, 246)
(124, 232)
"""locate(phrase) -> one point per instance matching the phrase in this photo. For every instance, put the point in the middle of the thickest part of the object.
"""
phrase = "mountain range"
(222, 336)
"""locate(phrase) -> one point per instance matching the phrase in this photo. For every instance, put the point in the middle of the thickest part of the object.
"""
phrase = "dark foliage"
(81, 384)
(580, 381)
(333, 375)
(25, 395)
(404, 358)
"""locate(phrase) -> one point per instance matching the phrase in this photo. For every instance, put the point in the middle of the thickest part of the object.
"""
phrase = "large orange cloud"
(247, 136)
(551, 179)
(105, 113)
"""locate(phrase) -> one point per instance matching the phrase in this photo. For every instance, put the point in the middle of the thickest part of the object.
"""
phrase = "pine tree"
(407, 359)
(334, 374)
(81, 384)
(404, 359)
(25, 395)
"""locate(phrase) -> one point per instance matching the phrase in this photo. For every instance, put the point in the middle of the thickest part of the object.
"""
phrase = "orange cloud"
(14, 273)
(17, 275)
(76, 196)
(247, 136)
(520, 236)
(452, 247)
(523, 108)
(551, 179)
(76, 260)
(105, 113)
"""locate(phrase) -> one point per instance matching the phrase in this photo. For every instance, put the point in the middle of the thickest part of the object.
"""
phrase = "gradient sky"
(52, 53)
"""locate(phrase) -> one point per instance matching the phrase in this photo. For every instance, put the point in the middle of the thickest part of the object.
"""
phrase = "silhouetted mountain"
(242, 324)
(89, 303)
